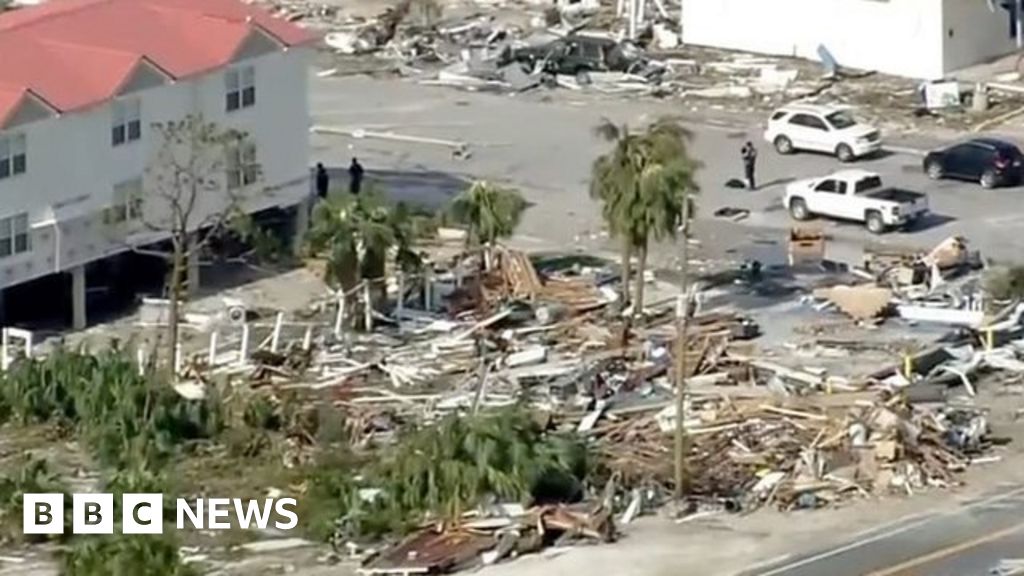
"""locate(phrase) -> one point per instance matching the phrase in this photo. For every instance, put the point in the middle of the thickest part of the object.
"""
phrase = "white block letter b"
(43, 514)
(93, 514)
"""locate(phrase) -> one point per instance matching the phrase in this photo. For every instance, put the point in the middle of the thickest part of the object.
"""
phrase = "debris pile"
(918, 286)
(749, 450)
(488, 539)
(496, 327)
(632, 48)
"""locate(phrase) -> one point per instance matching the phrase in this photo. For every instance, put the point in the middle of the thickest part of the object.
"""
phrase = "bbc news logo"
(144, 513)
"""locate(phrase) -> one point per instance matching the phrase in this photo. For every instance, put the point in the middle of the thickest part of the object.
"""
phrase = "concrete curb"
(905, 150)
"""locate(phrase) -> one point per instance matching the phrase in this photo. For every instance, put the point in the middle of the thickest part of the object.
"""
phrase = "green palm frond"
(489, 212)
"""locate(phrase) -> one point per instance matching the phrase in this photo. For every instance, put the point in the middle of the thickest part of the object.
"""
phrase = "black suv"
(989, 161)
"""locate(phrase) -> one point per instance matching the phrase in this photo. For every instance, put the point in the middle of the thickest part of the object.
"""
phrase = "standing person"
(323, 181)
(749, 154)
(355, 176)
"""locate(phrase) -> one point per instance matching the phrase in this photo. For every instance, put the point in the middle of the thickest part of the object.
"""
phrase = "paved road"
(546, 148)
(970, 540)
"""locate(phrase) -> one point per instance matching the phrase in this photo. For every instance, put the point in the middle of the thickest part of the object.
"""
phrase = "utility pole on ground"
(682, 317)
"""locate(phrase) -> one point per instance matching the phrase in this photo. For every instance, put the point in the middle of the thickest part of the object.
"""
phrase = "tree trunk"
(682, 319)
(626, 269)
(641, 267)
(174, 296)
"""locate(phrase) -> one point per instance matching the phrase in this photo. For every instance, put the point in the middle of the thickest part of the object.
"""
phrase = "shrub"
(125, 555)
(1005, 283)
(126, 418)
(31, 476)
(444, 470)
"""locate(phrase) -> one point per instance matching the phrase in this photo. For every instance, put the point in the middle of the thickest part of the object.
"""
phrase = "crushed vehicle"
(578, 55)
(858, 196)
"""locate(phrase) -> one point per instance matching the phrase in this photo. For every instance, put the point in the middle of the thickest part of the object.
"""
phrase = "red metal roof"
(73, 54)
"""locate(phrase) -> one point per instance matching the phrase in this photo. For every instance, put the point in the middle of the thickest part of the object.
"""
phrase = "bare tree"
(193, 191)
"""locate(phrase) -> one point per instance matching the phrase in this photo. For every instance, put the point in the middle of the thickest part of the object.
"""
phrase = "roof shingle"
(78, 53)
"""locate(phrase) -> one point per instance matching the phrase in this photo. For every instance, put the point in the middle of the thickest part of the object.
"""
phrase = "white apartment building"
(83, 82)
(925, 39)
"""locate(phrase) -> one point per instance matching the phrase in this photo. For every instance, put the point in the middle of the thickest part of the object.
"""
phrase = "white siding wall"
(973, 33)
(71, 157)
(901, 37)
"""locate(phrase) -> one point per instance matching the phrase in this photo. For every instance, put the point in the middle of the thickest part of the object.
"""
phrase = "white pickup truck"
(855, 195)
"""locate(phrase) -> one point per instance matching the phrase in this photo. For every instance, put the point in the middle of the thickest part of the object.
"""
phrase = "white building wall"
(973, 34)
(72, 166)
(900, 37)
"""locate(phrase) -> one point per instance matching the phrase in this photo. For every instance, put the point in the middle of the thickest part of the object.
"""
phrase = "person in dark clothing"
(749, 154)
(323, 181)
(355, 176)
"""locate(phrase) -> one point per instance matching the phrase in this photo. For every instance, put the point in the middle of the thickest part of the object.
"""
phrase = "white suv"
(821, 128)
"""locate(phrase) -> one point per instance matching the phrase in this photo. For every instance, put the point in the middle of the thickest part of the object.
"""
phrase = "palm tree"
(358, 235)
(645, 184)
(611, 179)
(488, 212)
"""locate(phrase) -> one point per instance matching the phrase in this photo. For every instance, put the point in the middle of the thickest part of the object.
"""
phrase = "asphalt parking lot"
(544, 145)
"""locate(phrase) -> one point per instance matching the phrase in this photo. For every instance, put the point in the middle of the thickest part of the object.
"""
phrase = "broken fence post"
(177, 359)
(5, 357)
(428, 289)
(400, 304)
(140, 359)
(340, 316)
(243, 350)
(367, 307)
(275, 339)
(212, 357)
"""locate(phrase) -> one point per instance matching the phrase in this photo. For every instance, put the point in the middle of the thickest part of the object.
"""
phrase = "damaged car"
(578, 55)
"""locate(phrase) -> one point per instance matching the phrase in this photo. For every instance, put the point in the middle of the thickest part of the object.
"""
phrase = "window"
(975, 153)
(13, 160)
(778, 115)
(593, 51)
(807, 121)
(829, 186)
(840, 120)
(241, 88)
(127, 202)
(241, 165)
(14, 235)
(869, 183)
(127, 122)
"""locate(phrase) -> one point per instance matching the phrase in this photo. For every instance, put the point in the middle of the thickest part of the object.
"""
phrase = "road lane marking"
(946, 552)
(889, 533)
(846, 548)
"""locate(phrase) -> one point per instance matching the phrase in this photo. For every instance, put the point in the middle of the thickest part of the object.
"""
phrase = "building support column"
(301, 225)
(192, 268)
(78, 316)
